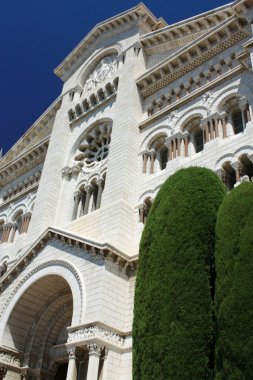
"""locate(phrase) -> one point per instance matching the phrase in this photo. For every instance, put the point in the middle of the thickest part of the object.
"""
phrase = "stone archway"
(36, 330)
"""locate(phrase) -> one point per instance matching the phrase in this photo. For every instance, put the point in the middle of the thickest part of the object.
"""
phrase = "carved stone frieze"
(9, 359)
(96, 332)
(105, 69)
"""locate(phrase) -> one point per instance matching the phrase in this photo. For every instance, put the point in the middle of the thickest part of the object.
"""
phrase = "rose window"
(94, 148)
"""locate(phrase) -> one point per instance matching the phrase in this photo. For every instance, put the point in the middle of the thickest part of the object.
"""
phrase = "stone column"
(3, 372)
(141, 213)
(72, 370)
(186, 142)
(174, 149)
(229, 126)
(216, 126)
(145, 158)
(100, 183)
(224, 127)
(207, 133)
(220, 127)
(12, 232)
(25, 222)
(242, 105)
(170, 151)
(211, 129)
(104, 366)
(88, 190)
(236, 167)
(77, 199)
(248, 113)
(152, 154)
(94, 355)
(178, 147)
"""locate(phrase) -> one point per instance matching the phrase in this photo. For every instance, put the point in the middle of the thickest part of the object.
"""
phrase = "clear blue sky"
(36, 35)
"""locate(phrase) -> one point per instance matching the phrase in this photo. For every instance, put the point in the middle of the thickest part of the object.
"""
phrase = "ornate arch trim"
(64, 269)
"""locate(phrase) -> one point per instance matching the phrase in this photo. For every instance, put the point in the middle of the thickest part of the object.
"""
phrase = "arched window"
(88, 198)
(246, 166)
(17, 226)
(237, 121)
(198, 140)
(144, 210)
(229, 175)
(1, 230)
(163, 157)
(196, 143)
(157, 155)
(238, 113)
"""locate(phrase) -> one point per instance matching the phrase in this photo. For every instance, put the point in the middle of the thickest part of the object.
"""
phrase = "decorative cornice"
(194, 55)
(193, 95)
(11, 360)
(100, 334)
(28, 160)
(125, 263)
(137, 14)
(21, 188)
(183, 32)
(38, 132)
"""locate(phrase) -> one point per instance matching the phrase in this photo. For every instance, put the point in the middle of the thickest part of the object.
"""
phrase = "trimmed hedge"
(173, 327)
(234, 285)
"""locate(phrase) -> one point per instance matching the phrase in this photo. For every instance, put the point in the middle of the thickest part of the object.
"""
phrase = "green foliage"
(173, 329)
(234, 285)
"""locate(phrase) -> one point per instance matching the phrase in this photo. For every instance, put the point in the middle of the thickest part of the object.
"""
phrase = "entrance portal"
(37, 329)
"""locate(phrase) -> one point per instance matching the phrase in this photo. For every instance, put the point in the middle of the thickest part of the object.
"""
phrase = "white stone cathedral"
(140, 100)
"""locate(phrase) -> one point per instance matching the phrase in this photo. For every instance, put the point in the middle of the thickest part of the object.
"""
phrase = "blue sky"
(36, 35)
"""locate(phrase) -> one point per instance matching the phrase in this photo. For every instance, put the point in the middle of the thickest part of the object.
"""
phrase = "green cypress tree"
(234, 285)
(173, 327)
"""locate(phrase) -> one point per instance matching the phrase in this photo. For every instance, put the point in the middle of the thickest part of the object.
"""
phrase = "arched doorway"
(37, 329)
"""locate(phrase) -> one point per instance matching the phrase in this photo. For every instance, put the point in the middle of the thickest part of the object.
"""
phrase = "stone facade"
(140, 100)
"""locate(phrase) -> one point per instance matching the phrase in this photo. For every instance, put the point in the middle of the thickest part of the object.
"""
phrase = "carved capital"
(94, 349)
(66, 172)
(77, 195)
(100, 182)
(71, 351)
(76, 170)
(89, 189)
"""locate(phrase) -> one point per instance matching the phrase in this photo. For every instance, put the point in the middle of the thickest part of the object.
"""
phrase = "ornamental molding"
(10, 360)
(139, 15)
(95, 332)
(26, 161)
(195, 54)
(104, 70)
(15, 270)
(195, 94)
(38, 133)
(176, 33)
(21, 188)
(98, 335)
(125, 263)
